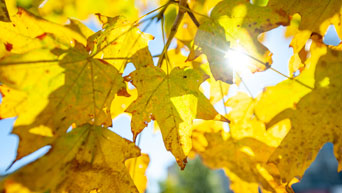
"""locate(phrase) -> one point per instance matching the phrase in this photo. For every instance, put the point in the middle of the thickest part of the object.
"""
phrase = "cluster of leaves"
(55, 77)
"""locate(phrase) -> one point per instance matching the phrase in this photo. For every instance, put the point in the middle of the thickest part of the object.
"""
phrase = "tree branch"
(180, 15)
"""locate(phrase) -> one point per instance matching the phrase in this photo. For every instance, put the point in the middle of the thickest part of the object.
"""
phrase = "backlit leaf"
(315, 120)
(89, 158)
(173, 101)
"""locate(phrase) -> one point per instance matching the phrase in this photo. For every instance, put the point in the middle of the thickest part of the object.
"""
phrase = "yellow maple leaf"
(27, 32)
(290, 89)
(61, 11)
(52, 83)
(230, 21)
(52, 102)
(173, 101)
(120, 42)
(244, 151)
(315, 119)
(315, 17)
(244, 158)
(89, 158)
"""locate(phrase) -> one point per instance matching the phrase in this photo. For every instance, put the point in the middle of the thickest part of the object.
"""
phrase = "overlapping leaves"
(89, 158)
(172, 100)
(56, 77)
(50, 87)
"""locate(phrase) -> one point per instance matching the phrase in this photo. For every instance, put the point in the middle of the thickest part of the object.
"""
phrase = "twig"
(192, 16)
(180, 15)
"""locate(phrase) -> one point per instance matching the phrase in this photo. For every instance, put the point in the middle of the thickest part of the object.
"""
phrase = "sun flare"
(239, 62)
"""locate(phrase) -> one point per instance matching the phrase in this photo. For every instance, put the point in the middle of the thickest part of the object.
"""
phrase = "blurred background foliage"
(195, 178)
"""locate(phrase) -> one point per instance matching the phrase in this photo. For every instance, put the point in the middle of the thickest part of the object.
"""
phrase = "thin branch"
(195, 12)
(291, 78)
(160, 15)
(223, 100)
(180, 15)
(225, 109)
(192, 16)
(245, 85)
(154, 10)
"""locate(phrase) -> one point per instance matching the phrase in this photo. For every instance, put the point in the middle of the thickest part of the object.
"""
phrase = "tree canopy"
(64, 84)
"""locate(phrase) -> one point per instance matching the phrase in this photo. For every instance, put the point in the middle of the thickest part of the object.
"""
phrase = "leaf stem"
(27, 62)
(154, 10)
(192, 16)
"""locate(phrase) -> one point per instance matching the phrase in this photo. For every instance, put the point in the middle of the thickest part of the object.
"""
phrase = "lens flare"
(239, 62)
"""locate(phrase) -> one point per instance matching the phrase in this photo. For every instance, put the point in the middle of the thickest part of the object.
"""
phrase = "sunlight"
(240, 62)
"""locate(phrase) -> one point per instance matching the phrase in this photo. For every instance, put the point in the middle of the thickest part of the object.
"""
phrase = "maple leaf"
(245, 123)
(54, 77)
(292, 89)
(52, 100)
(211, 38)
(314, 121)
(27, 32)
(121, 39)
(243, 23)
(308, 18)
(244, 158)
(315, 17)
(173, 101)
(89, 158)
(78, 83)
(61, 11)
(246, 147)
(239, 23)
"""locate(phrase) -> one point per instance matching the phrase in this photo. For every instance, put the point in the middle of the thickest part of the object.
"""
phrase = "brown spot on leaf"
(20, 11)
(281, 12)
(283, 23)
(103, 61)
(42, 36)
(8, 46)
(123, 92)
